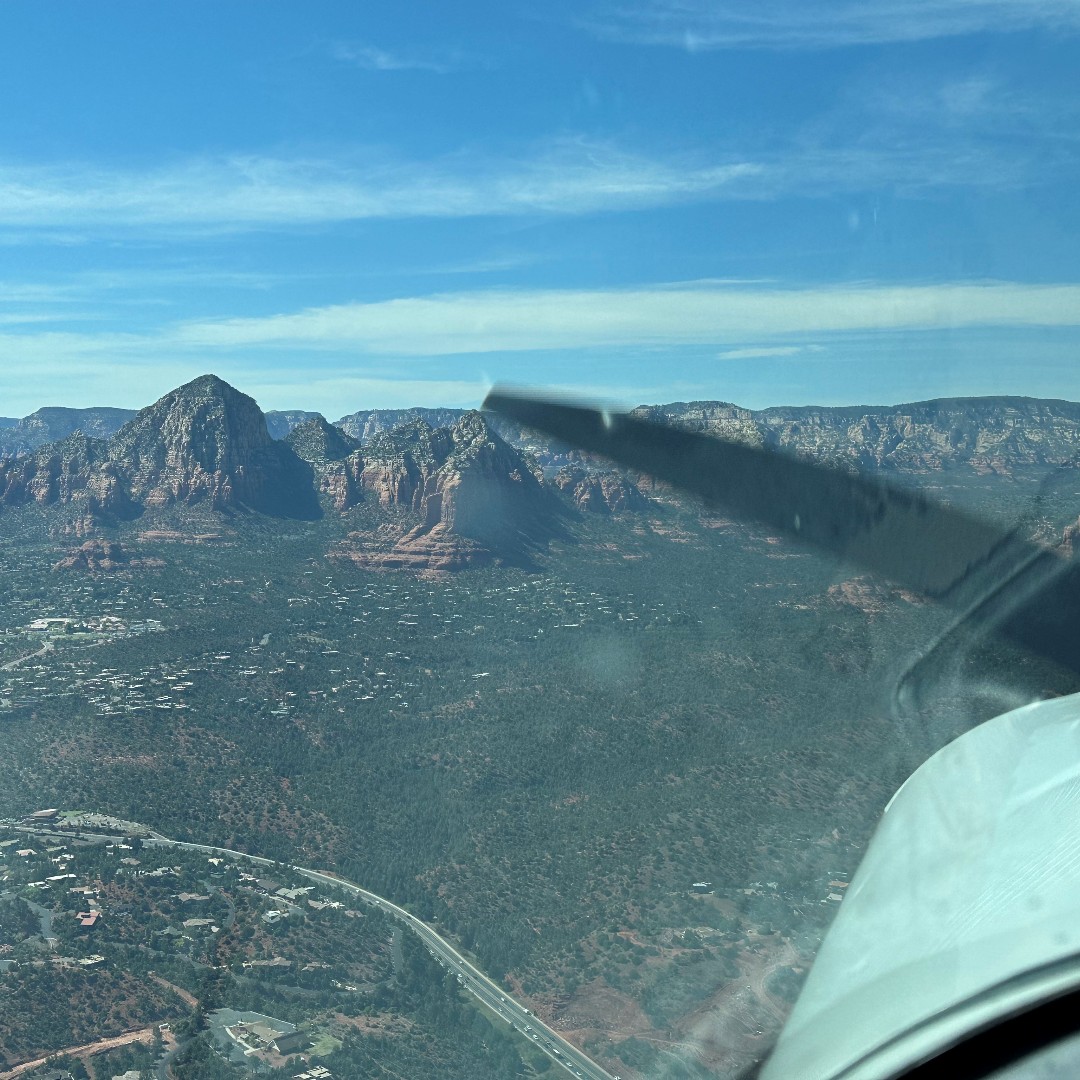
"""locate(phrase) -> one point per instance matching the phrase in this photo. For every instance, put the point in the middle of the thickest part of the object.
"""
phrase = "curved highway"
(468, 974)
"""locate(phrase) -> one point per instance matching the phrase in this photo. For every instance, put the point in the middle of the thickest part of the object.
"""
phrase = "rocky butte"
(429, 498)
(470, 498)
(204, 442)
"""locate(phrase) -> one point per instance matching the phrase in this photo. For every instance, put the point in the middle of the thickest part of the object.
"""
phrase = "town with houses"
(95, 895)
(220, 704)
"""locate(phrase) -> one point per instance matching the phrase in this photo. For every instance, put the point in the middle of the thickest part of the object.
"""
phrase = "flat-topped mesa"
(207, 442)
(53, 423)
(989, 434)
(279, 423)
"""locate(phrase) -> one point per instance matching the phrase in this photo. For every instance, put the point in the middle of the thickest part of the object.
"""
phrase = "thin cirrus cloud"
(372, 58)
(571, 177)
(762, 351)
(693, 314)
(793, 25)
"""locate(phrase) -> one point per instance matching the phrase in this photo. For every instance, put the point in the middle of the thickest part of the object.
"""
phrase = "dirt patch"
(179, 991)
(598, 1007)
(868, 596)
(389, 1026)
(143, 1035)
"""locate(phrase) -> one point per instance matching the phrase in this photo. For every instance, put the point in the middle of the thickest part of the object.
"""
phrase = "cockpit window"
(351, 728)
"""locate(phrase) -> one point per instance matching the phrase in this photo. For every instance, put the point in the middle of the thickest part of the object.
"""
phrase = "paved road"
(477, 983)
(468, 975)
(46, 647)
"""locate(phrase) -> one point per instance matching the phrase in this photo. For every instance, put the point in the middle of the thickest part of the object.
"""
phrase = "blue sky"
(339, 206)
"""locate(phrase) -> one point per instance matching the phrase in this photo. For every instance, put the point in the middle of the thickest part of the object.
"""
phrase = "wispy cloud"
(436, 349)
(742, 321)
(793, 24)
(506, 321)
(565, 177)
(491, 264)
(372, 58)
(755, 352)
(569, 176)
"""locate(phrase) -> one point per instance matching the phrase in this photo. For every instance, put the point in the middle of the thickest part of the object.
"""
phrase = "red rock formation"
(600, 492)
(102, 556)
(206, 442)
(475, 497)
(202, 443)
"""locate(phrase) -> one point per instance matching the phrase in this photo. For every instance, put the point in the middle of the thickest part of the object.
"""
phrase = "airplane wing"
(965, 908)
(994, 579)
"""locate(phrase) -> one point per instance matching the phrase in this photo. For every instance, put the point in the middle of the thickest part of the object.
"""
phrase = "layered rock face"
(475, 496)
(991, 434)
(103, 556)
(367, 423)
(319, 443)
(462, 495)
(331, 453)
(76, 469)
(600, 492)
(206, 442)
(202, 443)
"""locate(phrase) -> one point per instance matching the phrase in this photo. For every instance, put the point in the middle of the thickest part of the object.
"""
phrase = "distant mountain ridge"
(459, 493)
(367, 423)
(986, 434)
(280, 423)
(454, 496)
(53, 423)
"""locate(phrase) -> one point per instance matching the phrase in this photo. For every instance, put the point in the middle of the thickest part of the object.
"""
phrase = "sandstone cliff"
(367, 423)
(332, 456)
(603, 491)
(474, 497)
(76, 469)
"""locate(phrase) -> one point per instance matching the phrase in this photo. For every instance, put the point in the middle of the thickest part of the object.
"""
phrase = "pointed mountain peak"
(207, 386)
(472, 426)
(203, 418)
(206, 441)
(317, 440)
